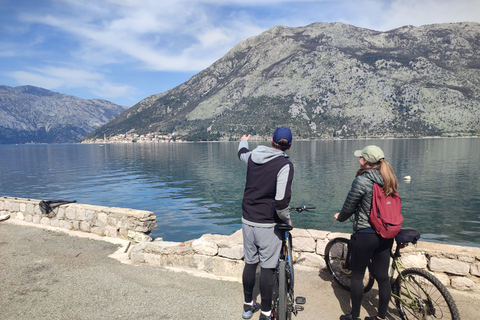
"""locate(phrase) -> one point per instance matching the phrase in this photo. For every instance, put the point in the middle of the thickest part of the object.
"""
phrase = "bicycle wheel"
(335, 256)
(283, 310)
(428, 297)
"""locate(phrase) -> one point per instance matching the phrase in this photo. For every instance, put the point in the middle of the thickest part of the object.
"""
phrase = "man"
(266, 200)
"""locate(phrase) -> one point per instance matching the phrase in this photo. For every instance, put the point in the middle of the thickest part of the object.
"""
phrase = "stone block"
(60, 213)
(300, 233)
(303, 244)
(414, 260)
(102, 217)
(98, 230)
(223, 241)
(70, 213)
(475, 269)
(467, 259)
(36, 219)
(138, 236)
(30, 208)
(219, 266)
(123, 233)
(80, 214)
(14, 206)
(85, 226)
(90, 215)
(112, 221)
(311, 260)
(168, 248)
(111, 231)
(205, 247)
(318, 234)
(235, 253)
(321, 244)
(443, 278)
(464, 284)
(448, 266)
(54, 222)
(65, 224)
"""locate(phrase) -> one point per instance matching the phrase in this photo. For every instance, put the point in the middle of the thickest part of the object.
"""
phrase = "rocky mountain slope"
(325, 80)
(34, 115)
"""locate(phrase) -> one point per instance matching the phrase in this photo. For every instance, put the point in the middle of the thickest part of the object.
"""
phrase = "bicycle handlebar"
(302, 208)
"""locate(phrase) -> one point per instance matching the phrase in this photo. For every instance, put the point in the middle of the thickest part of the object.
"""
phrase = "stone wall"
(455, 266)
(128, 224)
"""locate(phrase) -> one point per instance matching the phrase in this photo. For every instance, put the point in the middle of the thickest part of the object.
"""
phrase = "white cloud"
(53, 78)
(108, 40)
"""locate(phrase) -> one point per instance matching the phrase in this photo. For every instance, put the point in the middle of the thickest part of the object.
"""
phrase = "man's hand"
(336, 215)
(245, 137)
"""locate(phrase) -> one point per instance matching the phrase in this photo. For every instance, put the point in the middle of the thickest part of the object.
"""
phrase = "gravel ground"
(48, 273)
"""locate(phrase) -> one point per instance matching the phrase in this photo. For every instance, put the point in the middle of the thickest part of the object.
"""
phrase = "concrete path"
(48, 273)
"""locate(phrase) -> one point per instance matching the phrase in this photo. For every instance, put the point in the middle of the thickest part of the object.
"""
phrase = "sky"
(126, 50)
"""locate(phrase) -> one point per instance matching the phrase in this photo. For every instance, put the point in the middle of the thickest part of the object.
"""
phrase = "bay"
(196, 188)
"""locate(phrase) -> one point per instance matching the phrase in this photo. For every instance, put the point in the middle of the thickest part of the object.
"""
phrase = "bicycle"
(416, 293)
(284, 304)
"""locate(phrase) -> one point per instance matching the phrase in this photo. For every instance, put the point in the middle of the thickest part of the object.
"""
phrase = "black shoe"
(372, 318)
(349, 317)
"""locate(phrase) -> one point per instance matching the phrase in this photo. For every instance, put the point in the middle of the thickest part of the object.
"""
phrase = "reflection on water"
(197, 188)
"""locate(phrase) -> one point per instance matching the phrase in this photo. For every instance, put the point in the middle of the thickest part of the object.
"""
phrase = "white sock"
(268, 313)
(248, 303)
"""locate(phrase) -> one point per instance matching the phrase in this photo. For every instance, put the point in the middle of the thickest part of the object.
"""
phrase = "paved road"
(50, 274)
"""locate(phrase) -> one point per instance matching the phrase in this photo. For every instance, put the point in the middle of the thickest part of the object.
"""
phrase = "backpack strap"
(357, 215)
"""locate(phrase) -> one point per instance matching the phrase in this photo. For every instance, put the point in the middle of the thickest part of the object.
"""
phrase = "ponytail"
(390, 185)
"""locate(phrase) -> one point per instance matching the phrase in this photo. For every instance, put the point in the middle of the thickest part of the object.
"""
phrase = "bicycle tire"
(283, 310)
(335, 255)
(432, 299)
(290, 260)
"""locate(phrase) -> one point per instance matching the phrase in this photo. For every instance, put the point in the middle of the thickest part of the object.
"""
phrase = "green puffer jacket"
(359, 198)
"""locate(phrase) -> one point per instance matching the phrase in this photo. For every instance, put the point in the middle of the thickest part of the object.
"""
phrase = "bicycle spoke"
(423, 296)
(335, 257)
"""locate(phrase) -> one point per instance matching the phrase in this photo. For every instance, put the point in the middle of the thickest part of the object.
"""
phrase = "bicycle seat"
(283, 226)
(407, 235)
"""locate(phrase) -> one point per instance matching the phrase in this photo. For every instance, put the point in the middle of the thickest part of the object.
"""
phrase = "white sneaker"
(4, 217)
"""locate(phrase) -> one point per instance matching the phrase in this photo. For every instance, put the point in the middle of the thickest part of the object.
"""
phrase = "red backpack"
(386, 213)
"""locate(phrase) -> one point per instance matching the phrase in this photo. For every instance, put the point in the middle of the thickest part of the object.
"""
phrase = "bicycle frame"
(397, 266)
(284, 302)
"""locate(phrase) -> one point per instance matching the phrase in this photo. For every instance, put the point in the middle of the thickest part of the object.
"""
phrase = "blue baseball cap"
(282, 133)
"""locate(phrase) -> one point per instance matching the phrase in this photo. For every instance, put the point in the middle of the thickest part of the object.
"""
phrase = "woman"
(367, 244)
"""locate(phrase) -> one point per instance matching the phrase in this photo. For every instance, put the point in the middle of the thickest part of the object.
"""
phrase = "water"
(196, 188)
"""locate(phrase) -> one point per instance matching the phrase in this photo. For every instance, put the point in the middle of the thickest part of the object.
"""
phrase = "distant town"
(134, 137)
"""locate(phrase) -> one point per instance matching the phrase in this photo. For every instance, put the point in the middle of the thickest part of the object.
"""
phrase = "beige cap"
(372, 154)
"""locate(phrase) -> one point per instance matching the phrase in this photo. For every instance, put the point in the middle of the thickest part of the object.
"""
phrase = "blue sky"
(126, 50)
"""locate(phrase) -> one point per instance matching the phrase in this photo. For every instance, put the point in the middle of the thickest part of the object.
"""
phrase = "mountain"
(325, 80)
(35, 115)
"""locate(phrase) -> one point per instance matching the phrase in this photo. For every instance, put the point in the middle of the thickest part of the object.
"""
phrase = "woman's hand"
(336, 216)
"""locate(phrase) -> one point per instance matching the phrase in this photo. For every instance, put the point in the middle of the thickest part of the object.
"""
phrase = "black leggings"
(368, 246)
(266, 285)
